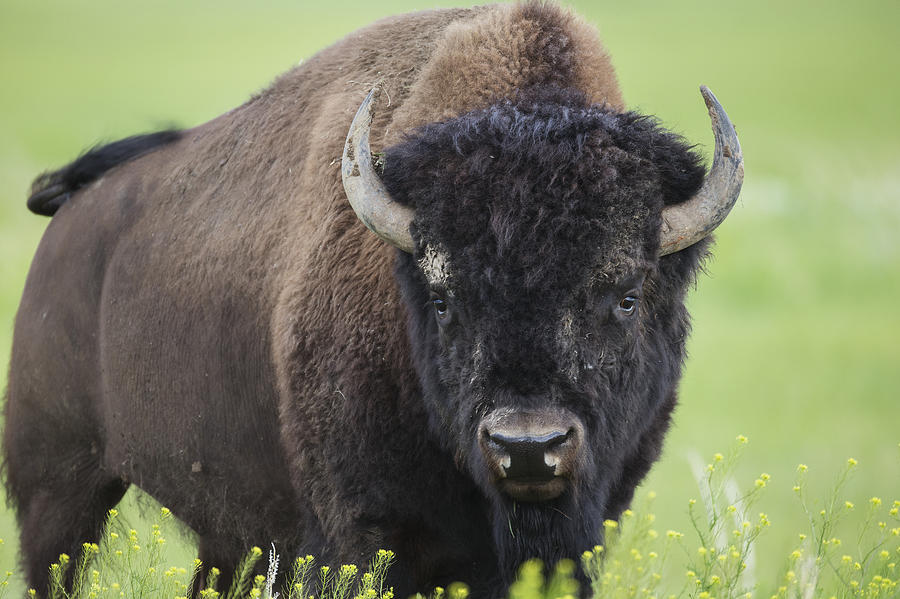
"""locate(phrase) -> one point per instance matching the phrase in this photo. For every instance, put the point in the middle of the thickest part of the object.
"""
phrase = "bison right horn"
(687, 223)
(370, 200)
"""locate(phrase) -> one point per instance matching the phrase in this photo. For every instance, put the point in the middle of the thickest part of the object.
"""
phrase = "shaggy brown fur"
(212, 323)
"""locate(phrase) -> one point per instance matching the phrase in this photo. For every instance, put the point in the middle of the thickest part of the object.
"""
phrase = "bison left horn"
(370, 200)
(687, 223)
(682, 224)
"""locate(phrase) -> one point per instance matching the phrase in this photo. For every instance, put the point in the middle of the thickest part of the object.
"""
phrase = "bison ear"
(677, 164)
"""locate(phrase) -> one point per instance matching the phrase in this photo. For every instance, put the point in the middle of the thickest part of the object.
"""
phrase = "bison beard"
(207, 318)
(546, 532)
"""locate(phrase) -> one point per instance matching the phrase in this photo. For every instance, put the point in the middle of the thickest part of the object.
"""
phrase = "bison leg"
(219, 553)
(56, 519)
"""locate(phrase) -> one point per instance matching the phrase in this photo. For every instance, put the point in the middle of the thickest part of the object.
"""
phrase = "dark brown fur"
(213, 324)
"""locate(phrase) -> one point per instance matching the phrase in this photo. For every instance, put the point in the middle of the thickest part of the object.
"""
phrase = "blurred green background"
(796, 331)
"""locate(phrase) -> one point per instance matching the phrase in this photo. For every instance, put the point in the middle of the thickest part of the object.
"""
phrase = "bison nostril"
(526, 455)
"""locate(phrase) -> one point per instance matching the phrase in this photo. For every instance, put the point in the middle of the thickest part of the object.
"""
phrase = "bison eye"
(628, 304)
(441, 308)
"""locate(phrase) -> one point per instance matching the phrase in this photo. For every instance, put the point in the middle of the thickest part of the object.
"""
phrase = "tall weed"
(843, 551)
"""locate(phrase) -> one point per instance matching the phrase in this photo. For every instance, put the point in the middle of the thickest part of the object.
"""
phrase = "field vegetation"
(795, 341)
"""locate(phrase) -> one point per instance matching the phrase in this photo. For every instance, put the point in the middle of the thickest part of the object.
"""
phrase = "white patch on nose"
(435, 265)
(478, 360)
(567, 330)
(566, 339)
(551, 460)
(478, 353)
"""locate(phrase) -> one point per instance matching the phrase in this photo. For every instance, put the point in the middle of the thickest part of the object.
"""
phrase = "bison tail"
(52, 189)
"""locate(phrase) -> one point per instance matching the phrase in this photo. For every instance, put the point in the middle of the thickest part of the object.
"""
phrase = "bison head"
(549, 246)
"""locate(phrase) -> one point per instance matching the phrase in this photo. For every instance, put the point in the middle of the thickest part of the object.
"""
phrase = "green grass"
(796, 325)
(128, 564)
(840, 549)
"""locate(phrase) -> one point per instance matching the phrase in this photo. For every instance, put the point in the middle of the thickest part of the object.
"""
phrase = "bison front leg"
(58, 519)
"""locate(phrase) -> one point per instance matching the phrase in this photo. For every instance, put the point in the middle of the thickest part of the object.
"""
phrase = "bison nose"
(529, 457)
(532, 455)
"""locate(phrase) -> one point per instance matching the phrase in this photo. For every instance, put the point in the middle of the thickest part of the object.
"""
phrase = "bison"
(208, 318)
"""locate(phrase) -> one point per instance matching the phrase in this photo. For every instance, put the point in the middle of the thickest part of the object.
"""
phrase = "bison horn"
(687, 223)
(370, 200)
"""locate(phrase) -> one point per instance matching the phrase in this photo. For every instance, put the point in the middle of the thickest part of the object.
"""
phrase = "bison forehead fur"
(206, 318)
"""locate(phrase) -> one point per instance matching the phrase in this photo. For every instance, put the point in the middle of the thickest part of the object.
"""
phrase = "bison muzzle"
(531, 456)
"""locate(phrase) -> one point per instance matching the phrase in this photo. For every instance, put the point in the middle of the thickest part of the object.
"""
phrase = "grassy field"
(796, 331)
